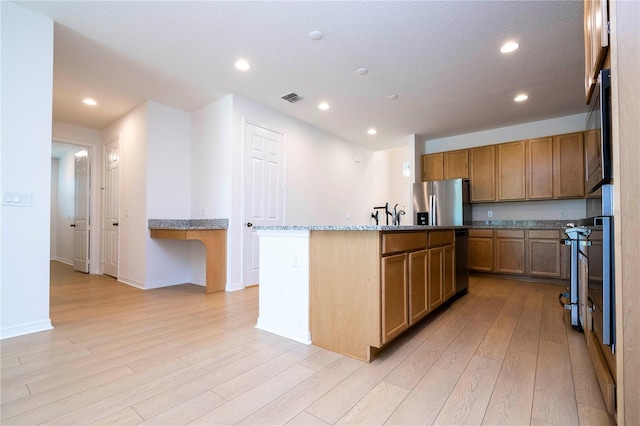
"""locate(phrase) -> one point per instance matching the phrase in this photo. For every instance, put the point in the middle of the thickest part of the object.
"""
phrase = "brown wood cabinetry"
(436, 295)
(418, 293)
(394, 296)
(592, 155)
(569, 177)
(596, 41)
(481, 250)
(540, 168)
(510, 251)
(483, 173)
(449, 272)
(432, 167)
(544, 253)
(511, 176)
(456, 164)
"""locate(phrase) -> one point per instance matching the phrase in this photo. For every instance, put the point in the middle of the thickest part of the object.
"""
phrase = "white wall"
(525, 210)
(133, 226)
(211, 176)
(168, 192)
(91, 140)
(25, 157)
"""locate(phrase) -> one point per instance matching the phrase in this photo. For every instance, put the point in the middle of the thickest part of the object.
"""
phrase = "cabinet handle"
(249, 224)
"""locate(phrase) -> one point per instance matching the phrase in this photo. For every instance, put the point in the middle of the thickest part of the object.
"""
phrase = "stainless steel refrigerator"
(442, 203)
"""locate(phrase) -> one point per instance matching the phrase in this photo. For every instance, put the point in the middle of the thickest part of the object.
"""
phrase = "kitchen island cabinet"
(366, 285)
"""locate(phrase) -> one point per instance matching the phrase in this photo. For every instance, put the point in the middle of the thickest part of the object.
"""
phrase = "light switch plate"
(16, 199)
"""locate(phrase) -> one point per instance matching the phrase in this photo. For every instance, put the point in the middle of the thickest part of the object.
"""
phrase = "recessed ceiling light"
(89, 101)
(242, 65)
(362, 71)
(521, 98)
(509, 47)
(316, 35)
(372, 131)
(393, 97)
(323, 105)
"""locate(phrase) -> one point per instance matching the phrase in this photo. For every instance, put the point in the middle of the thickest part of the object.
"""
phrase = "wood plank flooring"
(502, 354)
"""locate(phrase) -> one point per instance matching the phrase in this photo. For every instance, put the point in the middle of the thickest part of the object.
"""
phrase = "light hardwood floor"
(503, 354)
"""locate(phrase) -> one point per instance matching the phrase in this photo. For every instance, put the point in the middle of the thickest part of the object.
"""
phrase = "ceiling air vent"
(292, 97)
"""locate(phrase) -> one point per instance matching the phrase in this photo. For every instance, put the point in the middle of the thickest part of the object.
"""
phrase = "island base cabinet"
(418, 292)
(436, 295)
(394, 296)
(448, 272)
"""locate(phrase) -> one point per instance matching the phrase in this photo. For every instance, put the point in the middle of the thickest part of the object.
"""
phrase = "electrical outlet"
(348, 215)
(564, 213)
(490, 213)
(296, 260)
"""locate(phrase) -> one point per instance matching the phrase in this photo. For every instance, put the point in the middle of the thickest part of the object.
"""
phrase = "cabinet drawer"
(440, 238)
(481, 233)
(544, 234)
(510, 233)
(403, 241)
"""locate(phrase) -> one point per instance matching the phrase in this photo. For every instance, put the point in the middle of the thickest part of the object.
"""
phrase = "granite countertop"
(188, 223)
(482, 224)
(521, 224)
(354, 228)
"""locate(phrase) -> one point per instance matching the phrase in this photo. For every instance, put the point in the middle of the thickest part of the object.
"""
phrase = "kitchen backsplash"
(530, 210)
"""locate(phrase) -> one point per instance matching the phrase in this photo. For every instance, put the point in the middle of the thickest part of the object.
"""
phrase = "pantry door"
(264, 191)
(81, 212)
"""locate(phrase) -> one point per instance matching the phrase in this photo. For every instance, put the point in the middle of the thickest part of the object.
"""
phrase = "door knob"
(249, 224)
(73, 225)
(115, 223)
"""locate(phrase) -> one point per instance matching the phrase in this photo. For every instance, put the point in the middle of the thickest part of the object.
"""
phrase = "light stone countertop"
(494, 224)
(188, 223)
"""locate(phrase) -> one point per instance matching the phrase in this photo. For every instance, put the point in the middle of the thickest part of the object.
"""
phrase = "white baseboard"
(65, 261)
(167, 283)
(131, 282)
(302, 336)
(27, 328)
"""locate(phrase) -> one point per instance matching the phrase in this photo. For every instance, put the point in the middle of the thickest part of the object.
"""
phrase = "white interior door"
(81, 228)
(263, 191)
(111, 207)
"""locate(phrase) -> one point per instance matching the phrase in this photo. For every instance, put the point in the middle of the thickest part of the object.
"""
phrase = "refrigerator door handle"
(433, 214)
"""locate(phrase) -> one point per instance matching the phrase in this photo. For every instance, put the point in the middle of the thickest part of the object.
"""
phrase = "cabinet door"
(510, 255)
(394, 296)
(456, 164)
(449, 272)
(592, 154)
(511, 176)
(569, 165)
(432, 167)
(418, 293)
(540, 168)
(544, 258)
(481, 254)
(483, 171)
(436, 295)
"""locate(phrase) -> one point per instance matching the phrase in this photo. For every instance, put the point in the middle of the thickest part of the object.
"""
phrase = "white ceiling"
(442, 59)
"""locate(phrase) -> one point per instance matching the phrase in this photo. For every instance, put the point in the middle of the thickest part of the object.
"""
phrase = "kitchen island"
(352, 289)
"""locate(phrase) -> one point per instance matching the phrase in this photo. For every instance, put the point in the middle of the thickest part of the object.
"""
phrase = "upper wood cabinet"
(432, 167)
(540, 168)
(512, 171)
(456, 164)
(483, 173)
(568, 162)
(596, 41)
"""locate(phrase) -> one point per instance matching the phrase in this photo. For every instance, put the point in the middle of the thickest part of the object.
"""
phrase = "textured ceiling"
(442, 59)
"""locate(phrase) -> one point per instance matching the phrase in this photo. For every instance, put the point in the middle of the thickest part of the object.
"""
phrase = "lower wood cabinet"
(533, 252)
(418, 292)
(545, 258)
(394, 296)
(449, 271)
(436, 293)
(481, 250)
(510, 251)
